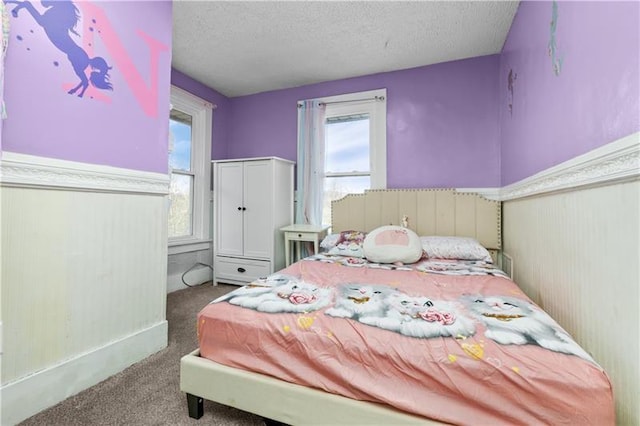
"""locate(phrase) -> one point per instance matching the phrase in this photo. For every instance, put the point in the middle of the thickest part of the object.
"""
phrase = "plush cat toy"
(422, 317)
(511, 321)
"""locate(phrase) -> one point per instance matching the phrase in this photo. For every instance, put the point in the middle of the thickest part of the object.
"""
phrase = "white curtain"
(310, 165)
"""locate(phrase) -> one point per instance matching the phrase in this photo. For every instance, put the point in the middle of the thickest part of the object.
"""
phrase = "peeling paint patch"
(556, 59)
(511, 80)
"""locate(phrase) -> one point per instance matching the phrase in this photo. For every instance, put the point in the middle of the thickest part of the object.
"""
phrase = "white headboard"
(443, 212)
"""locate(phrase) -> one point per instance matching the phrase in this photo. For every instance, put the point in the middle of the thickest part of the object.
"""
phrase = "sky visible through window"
(346, 151)
(180, 146)
(180, 188)
(347, 146)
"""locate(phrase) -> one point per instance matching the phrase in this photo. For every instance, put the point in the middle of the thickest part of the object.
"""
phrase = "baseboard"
(29, 395)
(194, 277)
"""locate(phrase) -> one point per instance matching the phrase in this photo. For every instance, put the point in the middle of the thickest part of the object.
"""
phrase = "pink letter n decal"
(96, 21)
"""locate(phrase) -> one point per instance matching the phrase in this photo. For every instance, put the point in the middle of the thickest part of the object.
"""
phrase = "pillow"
(352, 236)
(329, 241)
(463, 248)
(349, 244)
(392, 244)
(347, 249)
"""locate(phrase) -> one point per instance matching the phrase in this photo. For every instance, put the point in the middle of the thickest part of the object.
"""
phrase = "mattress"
(457, 342)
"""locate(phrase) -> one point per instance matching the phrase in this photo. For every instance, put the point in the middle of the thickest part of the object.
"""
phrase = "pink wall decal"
(99, 24)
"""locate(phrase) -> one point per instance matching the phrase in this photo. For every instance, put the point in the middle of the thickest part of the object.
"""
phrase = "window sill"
(186, 246)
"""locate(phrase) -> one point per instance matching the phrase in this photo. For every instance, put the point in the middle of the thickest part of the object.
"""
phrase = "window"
(189, 168)
(355, 146)
(182, 175)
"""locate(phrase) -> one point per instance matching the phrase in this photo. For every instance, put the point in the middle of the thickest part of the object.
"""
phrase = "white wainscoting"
(576, 252)
(84, 263)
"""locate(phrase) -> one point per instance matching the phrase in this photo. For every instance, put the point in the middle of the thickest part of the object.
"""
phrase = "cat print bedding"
(450, 341)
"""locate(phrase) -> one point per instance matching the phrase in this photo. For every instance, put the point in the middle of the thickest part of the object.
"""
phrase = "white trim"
(615, 161)
(489, 193)
(34, 393)
(189, 97)
(22, 170)
(177, 247)
(235, 160)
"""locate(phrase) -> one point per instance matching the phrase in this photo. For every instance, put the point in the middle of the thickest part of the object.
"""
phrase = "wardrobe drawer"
(242, 270)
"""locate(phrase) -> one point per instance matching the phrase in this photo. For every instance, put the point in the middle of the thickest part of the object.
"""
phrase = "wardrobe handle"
(244, 208)
(239, 208)
(242, 270)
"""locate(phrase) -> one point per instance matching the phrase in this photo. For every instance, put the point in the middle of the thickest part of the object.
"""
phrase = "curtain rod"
(375, 98)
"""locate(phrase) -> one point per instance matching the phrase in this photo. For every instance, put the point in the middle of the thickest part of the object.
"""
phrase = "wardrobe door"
(229, 208)
(258, 216)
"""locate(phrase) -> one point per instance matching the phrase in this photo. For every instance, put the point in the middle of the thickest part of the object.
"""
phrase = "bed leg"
(195, 404)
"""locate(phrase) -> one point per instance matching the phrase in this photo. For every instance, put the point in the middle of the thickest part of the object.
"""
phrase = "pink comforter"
(459, 349)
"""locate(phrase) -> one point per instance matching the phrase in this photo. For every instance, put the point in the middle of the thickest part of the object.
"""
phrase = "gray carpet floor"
(148, 393)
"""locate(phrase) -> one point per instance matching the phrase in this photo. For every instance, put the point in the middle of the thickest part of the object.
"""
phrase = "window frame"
(201, 113)
(377, 112)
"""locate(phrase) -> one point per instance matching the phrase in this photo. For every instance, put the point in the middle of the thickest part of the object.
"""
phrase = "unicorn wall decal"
(58, 21)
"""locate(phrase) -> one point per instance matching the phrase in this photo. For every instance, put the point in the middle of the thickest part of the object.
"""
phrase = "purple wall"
(458, 124)
(127, 127)
(442, 122)
(221, 114)
(593, 100)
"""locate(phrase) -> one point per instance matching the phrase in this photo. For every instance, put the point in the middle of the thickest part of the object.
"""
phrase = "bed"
(361, 342)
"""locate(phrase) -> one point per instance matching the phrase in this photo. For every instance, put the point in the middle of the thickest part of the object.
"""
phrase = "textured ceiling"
(241, 48)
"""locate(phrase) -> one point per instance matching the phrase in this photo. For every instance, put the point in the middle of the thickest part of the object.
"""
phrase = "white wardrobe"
(253, 199)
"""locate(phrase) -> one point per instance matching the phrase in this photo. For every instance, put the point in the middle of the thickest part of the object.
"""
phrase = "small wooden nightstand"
(297, 233)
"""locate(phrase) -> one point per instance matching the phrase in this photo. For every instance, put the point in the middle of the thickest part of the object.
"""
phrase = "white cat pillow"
(392, 244)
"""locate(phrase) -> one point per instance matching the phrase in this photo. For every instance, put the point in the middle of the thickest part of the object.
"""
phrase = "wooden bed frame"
(429, 212)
